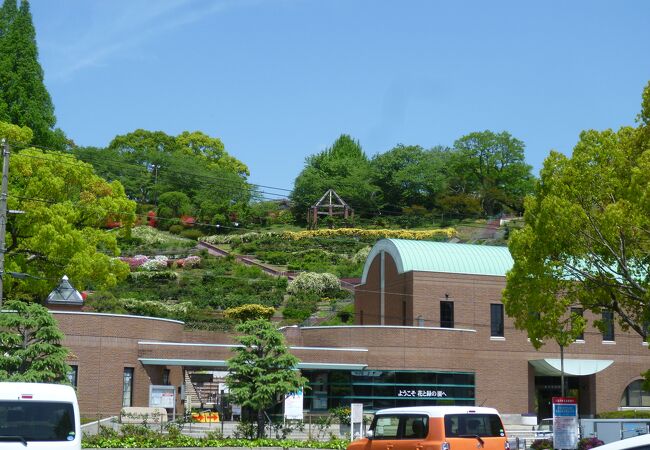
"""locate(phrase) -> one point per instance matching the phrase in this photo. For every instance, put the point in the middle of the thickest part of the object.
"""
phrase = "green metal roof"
(446, 257)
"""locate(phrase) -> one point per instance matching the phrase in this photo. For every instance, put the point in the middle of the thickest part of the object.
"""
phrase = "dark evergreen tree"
(24, 99)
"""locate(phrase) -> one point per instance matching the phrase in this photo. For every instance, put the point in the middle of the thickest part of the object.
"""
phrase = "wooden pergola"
(330, 204)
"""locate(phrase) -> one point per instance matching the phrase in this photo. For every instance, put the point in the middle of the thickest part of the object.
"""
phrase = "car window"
(415, 427)
(385, 427)
(484, 425)
(37, 421)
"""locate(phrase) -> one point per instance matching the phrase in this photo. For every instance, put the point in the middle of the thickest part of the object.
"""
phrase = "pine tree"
(8, 13)
(25, 100)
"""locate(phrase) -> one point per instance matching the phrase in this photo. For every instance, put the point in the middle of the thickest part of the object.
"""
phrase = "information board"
(565, 423)
(293, 405)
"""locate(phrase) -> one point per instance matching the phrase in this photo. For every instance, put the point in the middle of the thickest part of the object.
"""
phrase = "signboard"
(356, 420)
(565, 422)
(293, 405)
(162, 396)
(421, 393)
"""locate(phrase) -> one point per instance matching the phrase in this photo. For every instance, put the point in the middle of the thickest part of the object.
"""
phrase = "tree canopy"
(586, 242)
(191, 171)
(65, 208)
(24, 99)
(343, 167)
(483, 174)
(262, 368)
(30, 342)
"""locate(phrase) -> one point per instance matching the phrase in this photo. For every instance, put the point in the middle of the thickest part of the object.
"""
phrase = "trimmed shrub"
(323, 284)
(192, 234)
(176, 229)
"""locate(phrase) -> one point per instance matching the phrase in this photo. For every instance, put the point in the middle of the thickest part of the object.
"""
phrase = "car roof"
(36, 391)
(439, 411)
(632, 442)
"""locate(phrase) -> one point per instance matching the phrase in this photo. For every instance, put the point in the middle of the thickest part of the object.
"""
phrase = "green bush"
(176, 229)
(192, 234)
(628, 414)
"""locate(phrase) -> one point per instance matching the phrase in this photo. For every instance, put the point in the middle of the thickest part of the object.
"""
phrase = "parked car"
(39, 416)
(634, 443)
(545, 429)
(435, 427)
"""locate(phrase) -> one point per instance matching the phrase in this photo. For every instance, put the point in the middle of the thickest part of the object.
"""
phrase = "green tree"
(587, 237)
(152, 163)
(262, 368)
(410, 175)
(63, 228)
(491, 166)
(25, 100)
(30, 344)
(343, 167)
(174, 204)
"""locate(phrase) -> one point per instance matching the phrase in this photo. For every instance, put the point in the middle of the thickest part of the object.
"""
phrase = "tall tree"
(586, 241)
(262, 368)
(25, 99)
(492, 167)
(30, 343)
(343, 167)
(409, 175)
(63, 228)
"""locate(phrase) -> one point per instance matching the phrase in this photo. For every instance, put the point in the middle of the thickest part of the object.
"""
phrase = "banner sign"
(565, 423)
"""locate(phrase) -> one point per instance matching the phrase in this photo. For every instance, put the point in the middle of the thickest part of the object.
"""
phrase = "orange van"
(435, 428)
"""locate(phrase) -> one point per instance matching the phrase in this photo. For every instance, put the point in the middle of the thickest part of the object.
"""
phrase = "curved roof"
(446, 257)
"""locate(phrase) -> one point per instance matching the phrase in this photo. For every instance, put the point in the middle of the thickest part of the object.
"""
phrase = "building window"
(496, 320)
(404, 313)
(127, 387)
(608, 322)
(73, 375)
(165, 377)
(361, 317)
(635, 396)
(578, 312)
(446, 314)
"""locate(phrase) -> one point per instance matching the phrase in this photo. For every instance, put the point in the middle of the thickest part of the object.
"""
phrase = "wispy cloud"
(114, 31)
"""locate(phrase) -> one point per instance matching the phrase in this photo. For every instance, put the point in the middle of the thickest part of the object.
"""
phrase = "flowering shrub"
(164, 275)
(189, 262)
(134, 261)
(361, 233)
(361, 256)
(312, 282)
(372, 234)
(589, 443)
(159, 262)
(152, 236)
(542, 444)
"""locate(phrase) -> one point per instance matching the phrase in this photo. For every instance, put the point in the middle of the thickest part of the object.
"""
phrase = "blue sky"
(278, 80)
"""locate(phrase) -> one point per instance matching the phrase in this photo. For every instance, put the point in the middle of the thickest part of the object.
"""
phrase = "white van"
(39, 415)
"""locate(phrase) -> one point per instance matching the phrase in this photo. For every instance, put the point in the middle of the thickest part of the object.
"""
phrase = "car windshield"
(472, 425)
(36, 421)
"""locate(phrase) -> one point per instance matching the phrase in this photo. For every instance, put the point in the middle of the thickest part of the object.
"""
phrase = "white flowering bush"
(159, 262)
(312, 282)
(152, 236)
(361, 255)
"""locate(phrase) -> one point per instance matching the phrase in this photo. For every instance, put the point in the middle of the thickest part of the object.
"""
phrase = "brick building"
(430, 329)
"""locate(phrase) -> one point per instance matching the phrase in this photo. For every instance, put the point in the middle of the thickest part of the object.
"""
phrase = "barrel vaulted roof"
(446, 257)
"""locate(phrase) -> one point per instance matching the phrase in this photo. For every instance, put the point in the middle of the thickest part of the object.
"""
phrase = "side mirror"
(369, 434)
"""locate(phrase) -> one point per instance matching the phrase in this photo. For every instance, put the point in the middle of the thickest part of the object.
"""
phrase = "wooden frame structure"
(330, 204)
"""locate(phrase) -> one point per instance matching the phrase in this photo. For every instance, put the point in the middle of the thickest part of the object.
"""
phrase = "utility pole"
(3, 211)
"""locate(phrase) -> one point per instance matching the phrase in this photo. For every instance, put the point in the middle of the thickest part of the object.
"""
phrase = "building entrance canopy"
(572, 367)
